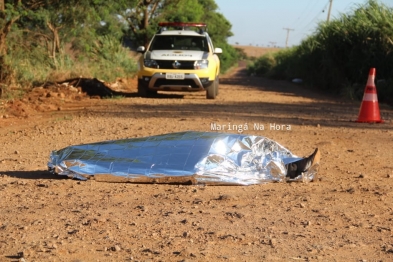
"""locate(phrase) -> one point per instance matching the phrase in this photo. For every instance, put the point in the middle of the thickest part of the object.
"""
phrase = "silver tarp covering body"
(185, 157)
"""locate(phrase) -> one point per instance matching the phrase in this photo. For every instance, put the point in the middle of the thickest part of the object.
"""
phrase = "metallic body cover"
(184, 157)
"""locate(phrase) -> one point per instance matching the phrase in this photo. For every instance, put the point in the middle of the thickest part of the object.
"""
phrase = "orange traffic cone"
(369, 109)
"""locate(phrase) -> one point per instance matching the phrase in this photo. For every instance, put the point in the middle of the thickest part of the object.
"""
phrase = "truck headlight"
(151, 63)
(201, 64)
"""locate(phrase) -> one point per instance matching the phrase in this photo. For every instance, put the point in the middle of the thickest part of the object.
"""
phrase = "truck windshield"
(179, 42)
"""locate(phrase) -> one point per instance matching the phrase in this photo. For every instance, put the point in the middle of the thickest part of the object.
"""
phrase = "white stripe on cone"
(370, 97)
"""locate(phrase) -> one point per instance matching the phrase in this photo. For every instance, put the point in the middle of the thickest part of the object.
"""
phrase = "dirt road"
(345, 215)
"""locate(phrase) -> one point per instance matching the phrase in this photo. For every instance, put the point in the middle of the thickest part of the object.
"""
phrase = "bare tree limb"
(4, 33)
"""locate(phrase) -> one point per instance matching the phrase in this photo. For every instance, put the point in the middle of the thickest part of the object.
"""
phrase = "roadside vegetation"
(338, 56)
(48, 41)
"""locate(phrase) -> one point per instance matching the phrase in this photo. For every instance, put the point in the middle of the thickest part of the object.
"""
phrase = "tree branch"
(153, 9)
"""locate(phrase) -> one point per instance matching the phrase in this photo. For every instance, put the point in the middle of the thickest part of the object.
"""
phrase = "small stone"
(116, 248)
(388, 175)
(273, 242)
(351, 190)
(362, 176)
(142, 208)
(225, 197)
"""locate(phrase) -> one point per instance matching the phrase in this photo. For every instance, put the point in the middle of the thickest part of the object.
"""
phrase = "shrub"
(338, 56)
(263, 65)
(29, 65)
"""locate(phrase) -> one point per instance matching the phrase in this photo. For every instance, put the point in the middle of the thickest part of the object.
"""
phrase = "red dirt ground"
(344, 215)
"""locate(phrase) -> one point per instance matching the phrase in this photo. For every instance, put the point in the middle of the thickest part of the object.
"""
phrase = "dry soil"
(344, 215)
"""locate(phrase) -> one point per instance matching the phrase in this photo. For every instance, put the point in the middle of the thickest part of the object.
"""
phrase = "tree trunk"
(3, 45)
(146, 24)
(5, 75)
(4, 33)
(6, 27)
(55, 46)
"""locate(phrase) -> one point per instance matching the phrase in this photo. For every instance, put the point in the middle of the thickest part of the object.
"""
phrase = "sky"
(270, 22)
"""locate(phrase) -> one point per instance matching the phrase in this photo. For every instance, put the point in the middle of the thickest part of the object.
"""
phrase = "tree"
(184, 11)
(140, 16)
(65, 21)
(143, 19)
(10, 13)
(8, 16)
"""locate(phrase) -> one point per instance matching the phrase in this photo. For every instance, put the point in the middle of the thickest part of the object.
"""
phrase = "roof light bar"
(181, 24)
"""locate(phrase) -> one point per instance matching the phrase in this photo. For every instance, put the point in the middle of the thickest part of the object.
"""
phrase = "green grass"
(338, 56)
(26, 66)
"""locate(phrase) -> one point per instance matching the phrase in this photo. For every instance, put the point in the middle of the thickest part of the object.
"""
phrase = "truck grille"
(170, 82)
(168, 64)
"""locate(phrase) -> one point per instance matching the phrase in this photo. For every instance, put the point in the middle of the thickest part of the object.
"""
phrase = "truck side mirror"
(217, 50)
(140, 49)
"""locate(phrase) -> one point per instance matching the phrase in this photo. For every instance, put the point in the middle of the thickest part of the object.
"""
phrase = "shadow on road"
(241, 78)
(14, 258)
(158, 95)
(318, 113)
(39, 174)
(321, 110)
(96, 88)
